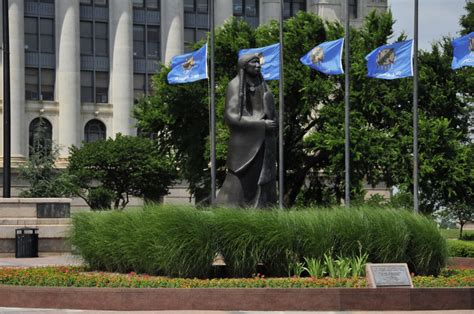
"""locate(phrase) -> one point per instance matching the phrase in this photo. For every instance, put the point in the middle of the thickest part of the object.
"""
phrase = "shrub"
(467, 237)
(118, 168)
(458, 248)
(183, 241)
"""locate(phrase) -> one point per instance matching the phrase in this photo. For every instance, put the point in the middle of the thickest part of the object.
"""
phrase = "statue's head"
(250, 63)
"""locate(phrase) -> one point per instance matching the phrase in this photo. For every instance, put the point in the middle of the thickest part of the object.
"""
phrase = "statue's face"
(253, 67)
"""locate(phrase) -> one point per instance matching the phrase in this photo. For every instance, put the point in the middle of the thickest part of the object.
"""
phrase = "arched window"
(94, 131)
(40, 137)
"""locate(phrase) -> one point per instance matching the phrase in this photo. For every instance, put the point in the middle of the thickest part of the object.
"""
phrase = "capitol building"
(78, 65)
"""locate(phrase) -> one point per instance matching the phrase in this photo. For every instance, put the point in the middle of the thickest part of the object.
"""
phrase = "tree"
(115, 169)
(381, 118)
(43, 178)
(467, 20)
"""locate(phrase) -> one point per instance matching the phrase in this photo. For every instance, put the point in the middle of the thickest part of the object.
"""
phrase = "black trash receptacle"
(26, 242)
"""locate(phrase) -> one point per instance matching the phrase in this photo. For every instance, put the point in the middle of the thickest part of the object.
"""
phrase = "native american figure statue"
(251, 159)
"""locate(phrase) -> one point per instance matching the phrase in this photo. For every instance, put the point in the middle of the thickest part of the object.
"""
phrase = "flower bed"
(79, 277)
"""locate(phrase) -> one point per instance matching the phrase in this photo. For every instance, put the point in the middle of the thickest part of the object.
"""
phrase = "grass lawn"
(454, 233)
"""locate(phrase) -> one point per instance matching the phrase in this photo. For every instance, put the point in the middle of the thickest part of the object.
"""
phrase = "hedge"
(184, 241)
(458, 248)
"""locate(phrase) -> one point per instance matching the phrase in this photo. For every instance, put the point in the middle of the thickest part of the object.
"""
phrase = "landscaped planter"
(334, 299)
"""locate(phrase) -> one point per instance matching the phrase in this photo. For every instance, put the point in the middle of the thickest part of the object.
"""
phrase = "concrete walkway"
(54, 260)
(55, 311)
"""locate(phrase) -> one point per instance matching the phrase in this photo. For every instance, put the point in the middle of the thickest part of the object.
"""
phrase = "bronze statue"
(250, 116)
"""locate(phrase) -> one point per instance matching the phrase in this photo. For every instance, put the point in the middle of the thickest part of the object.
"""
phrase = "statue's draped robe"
(250, 180)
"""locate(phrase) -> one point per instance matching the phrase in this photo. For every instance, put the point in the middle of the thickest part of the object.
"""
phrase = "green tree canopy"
(118, 168)
(381, 118)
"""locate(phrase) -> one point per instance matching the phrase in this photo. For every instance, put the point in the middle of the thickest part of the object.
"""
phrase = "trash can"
(26, 242)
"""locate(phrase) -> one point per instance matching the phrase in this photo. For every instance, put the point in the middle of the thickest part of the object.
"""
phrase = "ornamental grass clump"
(184, 241)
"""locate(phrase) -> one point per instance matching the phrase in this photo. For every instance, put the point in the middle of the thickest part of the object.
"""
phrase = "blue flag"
(463, 54)
(326, 57)
(189, 67)
(391, 62)
(269, 60)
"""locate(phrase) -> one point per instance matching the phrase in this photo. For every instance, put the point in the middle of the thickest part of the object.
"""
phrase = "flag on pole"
(326, 57)
(269, 60)
(189, 67)
(391, 62)
(463, 54)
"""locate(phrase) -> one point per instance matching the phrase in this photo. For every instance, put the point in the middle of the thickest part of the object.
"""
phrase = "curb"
(317, 299)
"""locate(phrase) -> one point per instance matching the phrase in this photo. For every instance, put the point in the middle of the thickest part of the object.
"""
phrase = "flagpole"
(281, 168)
(6, 104)
(347, 111)
(212, 112)
(415, 112)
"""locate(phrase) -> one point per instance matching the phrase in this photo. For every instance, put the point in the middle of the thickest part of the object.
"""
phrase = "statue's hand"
(270, 125)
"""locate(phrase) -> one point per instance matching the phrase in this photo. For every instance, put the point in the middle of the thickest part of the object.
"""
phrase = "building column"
(68, 74)
(172, 30)
(19, 129)
(121, 74)
(223, 10)
(269, 10)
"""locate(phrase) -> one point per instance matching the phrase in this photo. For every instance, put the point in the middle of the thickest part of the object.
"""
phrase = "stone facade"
(107, 66)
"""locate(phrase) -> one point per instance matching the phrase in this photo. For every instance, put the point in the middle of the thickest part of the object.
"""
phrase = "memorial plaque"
(388, 275)
(53, 210)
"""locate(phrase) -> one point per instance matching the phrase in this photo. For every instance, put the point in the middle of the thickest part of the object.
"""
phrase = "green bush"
(458, 248)
(183, 241)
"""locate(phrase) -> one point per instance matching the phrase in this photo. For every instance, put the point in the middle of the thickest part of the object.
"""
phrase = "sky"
(437, 18)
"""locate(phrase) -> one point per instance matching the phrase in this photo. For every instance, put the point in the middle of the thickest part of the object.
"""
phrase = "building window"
(101, 87)
(353, 9)
(291, 7)
(94, 86)
(94, 37)
(139, 41)
(142, 85)
(40, 137)
(31, 34)
(94, 130)
(139, 85)
(146, 44)
(39, 84)
(148, 4)
(98, 3)
(94, 33)
(196, 6)
(39, 50)
(196, 22)
(246, 8)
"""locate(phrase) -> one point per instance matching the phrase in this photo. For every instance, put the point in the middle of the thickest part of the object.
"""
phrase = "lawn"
(454, 233)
